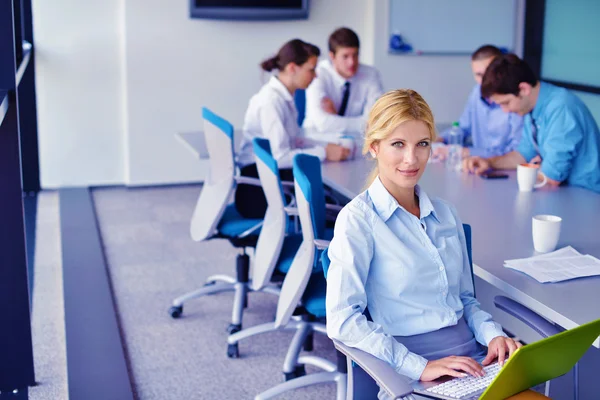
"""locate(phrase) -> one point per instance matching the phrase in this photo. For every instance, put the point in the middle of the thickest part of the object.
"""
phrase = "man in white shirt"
(340, 98)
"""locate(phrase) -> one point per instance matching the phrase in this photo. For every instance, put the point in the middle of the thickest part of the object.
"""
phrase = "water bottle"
(455, 145)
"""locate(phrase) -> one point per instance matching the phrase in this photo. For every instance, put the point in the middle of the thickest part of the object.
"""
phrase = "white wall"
(443, 81)
(80, 103)
(176, 65)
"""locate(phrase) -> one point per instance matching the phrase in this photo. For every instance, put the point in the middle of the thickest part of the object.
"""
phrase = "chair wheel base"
(299, 371)
(233, 328)
(233, 351)
(176, 311)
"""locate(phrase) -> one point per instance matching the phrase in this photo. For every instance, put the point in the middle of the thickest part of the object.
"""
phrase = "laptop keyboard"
(459, 388)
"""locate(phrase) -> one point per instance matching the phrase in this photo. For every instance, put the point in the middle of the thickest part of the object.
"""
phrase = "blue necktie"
(534, 135)
(345, 97)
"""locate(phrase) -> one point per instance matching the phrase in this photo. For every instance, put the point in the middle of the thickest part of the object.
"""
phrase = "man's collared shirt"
(568, 139)
(365, 88)
(488, 130)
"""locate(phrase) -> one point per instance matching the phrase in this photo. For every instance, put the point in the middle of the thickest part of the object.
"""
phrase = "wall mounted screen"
(249, 9)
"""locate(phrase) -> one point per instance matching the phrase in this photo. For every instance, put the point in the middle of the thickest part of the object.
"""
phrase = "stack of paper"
(560, 265)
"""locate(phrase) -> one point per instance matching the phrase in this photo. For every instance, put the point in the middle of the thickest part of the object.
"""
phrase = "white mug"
(545, 230)
(349, 143)
(527, 175)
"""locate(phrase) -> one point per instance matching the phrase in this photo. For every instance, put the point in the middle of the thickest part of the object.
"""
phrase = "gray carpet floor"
(152, 260)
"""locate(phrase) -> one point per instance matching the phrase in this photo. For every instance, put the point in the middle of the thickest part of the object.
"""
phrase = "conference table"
(500, 217)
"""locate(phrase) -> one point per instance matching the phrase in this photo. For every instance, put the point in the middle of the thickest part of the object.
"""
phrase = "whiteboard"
(453, 26)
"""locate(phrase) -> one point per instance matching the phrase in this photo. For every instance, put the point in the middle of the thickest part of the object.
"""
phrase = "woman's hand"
(456, 366)
(498, 348)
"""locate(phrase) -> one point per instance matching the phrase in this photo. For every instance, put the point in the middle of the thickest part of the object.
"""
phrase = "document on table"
(560, 265)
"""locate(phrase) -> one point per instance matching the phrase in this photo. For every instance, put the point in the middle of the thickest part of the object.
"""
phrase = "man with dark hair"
(559, 131)
(488, 131)
(340, 98)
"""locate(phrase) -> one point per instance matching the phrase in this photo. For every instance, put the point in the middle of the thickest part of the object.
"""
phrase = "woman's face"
(403, 155)
(305, 73)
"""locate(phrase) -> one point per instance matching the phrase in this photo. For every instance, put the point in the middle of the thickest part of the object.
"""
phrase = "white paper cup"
(546, 231)
(527, 175)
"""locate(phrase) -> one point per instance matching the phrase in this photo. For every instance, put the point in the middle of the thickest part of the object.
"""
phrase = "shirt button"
(441, 268)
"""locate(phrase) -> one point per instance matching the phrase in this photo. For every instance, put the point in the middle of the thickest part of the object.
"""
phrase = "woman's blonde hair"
(390, 110)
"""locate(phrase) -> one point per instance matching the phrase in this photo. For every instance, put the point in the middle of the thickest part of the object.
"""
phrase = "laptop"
(529, 366)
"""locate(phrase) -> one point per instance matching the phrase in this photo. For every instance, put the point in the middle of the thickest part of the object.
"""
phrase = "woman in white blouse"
(272, 115)
(403, 255)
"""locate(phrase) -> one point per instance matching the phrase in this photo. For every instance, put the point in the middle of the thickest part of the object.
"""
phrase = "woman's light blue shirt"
(566, 137)
(413, 275)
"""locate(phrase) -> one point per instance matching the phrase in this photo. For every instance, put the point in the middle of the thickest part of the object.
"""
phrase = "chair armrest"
(291, 210)
(386, 377)
(527, 316)
(321, 244)
(246, 180)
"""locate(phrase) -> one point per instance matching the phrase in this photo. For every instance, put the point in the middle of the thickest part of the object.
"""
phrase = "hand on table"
(476, 165)
(335, 152)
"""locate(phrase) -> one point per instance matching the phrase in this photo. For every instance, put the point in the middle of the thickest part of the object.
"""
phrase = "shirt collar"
(280, 88)
(542, 99)
(487, 102)
(385, 204)
(338, 79)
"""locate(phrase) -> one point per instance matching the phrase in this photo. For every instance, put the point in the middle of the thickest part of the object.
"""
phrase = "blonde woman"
(403, 255)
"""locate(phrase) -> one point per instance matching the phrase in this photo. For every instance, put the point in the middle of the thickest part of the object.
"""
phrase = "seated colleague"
(403, 255)
(559, 130)
(339, 99)
(488, 131)
(272, 115)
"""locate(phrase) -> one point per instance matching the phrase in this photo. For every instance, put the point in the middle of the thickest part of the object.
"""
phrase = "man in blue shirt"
(559, 130)
(488, 131)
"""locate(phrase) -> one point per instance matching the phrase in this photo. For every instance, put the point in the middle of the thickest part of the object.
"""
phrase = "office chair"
(278, 243)
(215, 218)
(362, 373)
(300, 101)
(305, 284)
(276, 252)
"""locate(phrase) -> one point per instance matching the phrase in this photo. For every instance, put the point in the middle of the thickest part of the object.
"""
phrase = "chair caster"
(233, 351)
(299, 371)
(176, 311)
(233, 328)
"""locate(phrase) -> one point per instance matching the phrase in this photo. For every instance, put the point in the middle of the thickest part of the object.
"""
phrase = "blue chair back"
(467, 229)
(307, 174)
(300, 101)
(271, 240)
(220, 181)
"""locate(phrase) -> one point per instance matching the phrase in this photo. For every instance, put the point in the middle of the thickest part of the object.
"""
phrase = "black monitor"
(249, 9)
